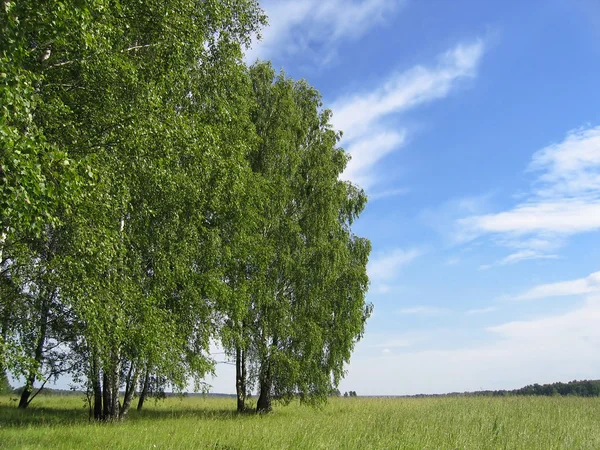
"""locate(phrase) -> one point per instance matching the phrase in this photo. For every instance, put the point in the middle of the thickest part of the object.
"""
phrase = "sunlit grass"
(361, 423)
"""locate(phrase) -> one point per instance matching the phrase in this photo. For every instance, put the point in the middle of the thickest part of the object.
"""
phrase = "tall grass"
(358, 423)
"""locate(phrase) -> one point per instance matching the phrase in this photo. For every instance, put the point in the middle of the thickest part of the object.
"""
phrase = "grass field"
(357, 423)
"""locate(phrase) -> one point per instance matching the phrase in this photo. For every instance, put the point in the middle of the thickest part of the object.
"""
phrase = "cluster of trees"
(158, 195)
(350, 394)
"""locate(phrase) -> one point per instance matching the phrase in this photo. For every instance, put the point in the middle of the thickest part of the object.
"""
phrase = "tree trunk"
(39, 351)
(27, 390)
(97, 388)
(110, 395)
(145, 389)
(132, 378)
(106, 396)
(240, 379)
(264, 400)
(114, 389)
(3, 336)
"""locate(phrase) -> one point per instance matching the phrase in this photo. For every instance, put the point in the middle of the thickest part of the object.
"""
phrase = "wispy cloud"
(564, 200)
(422, 311)
(549, 327)
(360, 115)
(385, 266)
(367, 152)
(518, 256)
(581, 286)
(301, 26)
(357, 114)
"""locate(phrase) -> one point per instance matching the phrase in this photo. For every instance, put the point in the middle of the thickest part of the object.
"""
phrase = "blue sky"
(475, 129)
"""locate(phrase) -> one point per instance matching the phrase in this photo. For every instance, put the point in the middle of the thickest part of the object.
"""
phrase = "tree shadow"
(11, 416)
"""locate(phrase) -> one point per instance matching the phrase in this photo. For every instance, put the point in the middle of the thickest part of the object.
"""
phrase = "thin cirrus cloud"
(581, 286)
(361, 115)
(385, 266)
(300, 26)
(564, 200)
(520, 255)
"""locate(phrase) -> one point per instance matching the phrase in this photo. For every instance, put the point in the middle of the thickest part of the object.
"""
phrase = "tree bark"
(110, 395)
(114, 389)
(240, 379)
(145, 388)
(97, 388)
(132, 378)
(263, 404)
(106, 396)
(4, 335)
(39, 351)
(27, 391)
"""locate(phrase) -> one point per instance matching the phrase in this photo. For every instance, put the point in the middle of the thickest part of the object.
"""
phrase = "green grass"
(362, 423)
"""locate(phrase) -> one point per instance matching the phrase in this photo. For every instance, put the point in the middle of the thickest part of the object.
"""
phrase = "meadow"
(344, 423)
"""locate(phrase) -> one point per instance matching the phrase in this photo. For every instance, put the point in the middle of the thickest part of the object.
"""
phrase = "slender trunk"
(97, 388)
(27, 391)
(106, 396)
(110, 397)
(263, 404)
(4, 335)
(39, 351)
(240, 379)
(114, 388)
(145, 388)
(132, 378)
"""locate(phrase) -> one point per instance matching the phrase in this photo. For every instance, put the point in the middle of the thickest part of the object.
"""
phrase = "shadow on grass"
(11, 416)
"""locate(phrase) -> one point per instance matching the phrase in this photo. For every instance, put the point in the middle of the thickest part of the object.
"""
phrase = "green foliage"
(157, 194)
(299, 302)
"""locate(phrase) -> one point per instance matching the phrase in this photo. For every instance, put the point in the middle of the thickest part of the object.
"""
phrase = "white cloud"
(543, 350)
(360, 115)
(518, 256)
(300, 26)
(580, 286)
(367, 152)
(385, 266)
(564, 200)
(572, 167)
(581, 322)
(422, 311)
(357, 114)
(561, 216)
(523, 255)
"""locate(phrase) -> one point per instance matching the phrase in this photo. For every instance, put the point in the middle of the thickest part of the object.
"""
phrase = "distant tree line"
(583, 388)
(159, 195)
